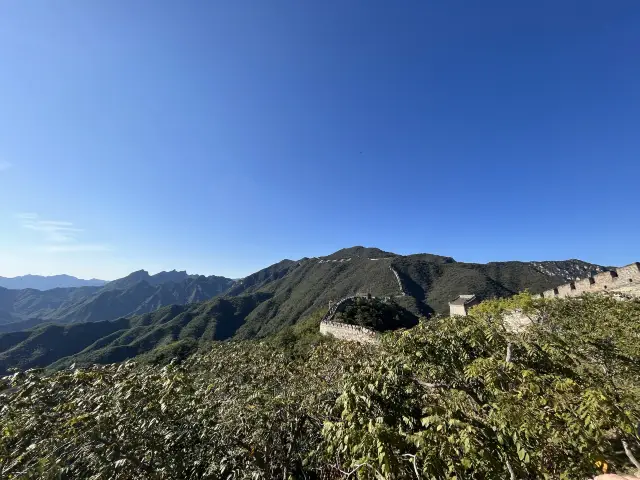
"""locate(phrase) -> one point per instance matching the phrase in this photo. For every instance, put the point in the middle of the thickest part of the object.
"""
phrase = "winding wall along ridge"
(345, 331)
(623, 279)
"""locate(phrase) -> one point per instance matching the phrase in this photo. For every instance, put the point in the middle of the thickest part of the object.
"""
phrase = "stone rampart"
(624, 280)
(395, 273)
(344, 331)
(352, 333)
(335, 306)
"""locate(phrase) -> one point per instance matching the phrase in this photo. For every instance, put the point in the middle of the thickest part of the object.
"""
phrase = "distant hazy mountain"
(47, 283)
(143, 276)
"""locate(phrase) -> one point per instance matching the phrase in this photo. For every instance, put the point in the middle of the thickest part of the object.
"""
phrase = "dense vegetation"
(461, 397)
(376, 314)
(172, 330)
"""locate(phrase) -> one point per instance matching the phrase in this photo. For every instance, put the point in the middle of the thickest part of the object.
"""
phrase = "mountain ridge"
(154, 313)
(42, 282)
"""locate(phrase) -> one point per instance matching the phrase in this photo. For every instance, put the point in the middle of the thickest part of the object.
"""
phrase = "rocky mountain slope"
(569, 269)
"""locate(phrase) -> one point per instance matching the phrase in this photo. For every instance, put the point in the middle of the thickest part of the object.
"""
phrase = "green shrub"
(459, 397)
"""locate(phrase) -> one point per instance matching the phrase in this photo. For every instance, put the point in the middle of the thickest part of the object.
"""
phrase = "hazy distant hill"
(172, 313)
(38, 282)
(143, 276)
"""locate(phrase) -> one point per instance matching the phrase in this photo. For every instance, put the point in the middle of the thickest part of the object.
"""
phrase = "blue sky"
(220, 137)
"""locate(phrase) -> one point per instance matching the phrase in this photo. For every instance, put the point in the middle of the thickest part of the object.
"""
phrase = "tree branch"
(630, 456)
(447, 386)
(413, 462)
(433, 385)
(512, 474)
(508, 359)
(357, 467)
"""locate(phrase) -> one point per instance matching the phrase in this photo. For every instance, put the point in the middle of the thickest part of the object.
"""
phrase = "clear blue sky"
(222, 136)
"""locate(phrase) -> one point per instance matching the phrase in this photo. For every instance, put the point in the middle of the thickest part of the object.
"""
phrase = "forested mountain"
(427, 281)
(132, 295)
(174, 311)
(39, 282)
(36, 306)
(166, 331)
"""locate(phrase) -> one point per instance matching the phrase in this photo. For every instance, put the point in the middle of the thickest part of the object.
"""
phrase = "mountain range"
(134, 294)
(172, 312)
(38, 282)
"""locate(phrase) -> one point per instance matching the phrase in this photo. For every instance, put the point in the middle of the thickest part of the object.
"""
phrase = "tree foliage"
(460, 397)
(464, 397)
(380, 315)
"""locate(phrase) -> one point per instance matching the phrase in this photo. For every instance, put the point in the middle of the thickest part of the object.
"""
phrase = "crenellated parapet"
(624, 279)
(335, 307)
(343, 331)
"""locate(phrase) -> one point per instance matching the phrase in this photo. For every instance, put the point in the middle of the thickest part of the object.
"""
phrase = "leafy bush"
(463, 397)
(460, 397)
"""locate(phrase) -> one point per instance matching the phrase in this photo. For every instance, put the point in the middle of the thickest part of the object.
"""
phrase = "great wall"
(352, 333)
(345, 331)
(624, 280)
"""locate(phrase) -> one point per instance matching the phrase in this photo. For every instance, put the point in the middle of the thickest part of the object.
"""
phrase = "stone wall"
(339, 304)
(624, 280)
(353, 333)
(344, 331)
(457, 310)
(621, 280)
(395, 272)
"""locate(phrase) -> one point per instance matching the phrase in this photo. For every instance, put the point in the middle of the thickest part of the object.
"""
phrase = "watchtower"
(462, 304)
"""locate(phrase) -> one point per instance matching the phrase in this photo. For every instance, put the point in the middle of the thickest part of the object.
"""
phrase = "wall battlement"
(335, 306)
(624, 280)
(343, 331)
